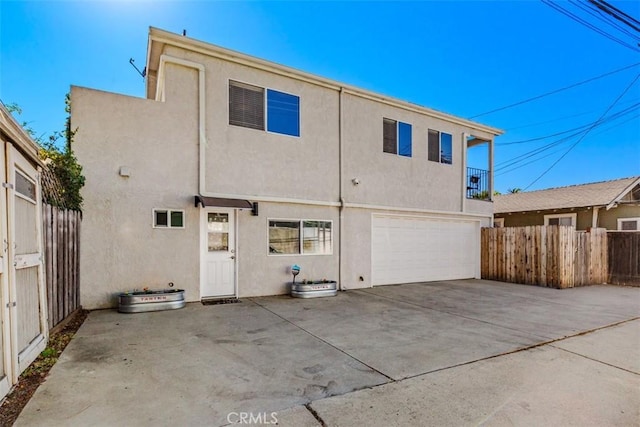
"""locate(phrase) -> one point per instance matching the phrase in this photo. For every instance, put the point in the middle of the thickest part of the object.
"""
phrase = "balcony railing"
(478, 184)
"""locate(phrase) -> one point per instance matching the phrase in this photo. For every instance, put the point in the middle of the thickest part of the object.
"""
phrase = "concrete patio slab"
(537, 387)
(617, 346)
(345, 357)
(190, 367)
(397, 339)
(542, 312)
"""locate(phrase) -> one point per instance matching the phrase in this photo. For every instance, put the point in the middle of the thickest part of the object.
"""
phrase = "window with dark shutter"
(434, 146)
(246, 105)
(390, 143)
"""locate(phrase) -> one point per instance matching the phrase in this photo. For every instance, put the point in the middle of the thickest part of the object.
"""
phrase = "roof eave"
(158, 37)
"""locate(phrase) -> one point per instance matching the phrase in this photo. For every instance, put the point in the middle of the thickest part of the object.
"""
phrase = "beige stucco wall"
(120, 249)
(250, 162)
(159, 142)
(262, 274)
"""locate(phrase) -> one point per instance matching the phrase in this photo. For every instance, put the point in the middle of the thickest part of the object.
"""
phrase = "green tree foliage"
(63, 177)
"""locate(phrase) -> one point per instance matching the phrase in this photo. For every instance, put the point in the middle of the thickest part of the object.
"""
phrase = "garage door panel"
(406, 250)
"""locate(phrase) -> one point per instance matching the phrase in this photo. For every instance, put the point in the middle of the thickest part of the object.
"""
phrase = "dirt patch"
(37, 372)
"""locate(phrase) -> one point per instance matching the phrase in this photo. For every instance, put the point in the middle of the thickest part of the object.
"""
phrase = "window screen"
(629, 225)
(389, 144)
(246, 105)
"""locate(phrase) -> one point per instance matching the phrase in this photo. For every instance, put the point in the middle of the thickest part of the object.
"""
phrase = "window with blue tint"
(440, 147)
(283, 113)
(446, 151)
(404, 139)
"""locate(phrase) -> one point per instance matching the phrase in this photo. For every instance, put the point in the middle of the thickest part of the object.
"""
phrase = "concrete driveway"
(447, 353)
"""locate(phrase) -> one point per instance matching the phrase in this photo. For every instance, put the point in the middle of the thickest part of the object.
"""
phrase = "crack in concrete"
(326, 342)
(315, 415)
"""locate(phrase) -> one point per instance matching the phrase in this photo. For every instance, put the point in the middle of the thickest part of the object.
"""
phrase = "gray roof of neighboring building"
(573, 196)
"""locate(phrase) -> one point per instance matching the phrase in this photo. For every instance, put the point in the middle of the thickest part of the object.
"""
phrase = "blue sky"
(461, 57)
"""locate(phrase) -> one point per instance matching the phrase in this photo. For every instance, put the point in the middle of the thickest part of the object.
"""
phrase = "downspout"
(465, 178)
(340, 177)
(202, 142)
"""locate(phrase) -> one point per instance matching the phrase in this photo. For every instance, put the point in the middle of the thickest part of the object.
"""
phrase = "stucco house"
(234, 168)
(614, 205)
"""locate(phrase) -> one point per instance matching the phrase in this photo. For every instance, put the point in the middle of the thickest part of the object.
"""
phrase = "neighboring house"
(23, 302)
(614, 205)
(235, 168)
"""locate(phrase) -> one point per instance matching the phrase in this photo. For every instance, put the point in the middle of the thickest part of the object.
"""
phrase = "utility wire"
(557, 90)
(511, 169)
(614, 116)
(588, 24)
(587, 132)
(558, 119)
(599, 14)
(612, 7)
(616, 13)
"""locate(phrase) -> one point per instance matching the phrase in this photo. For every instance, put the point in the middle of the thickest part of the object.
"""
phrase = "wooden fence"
(624, 258)
(551, 256)
(61, 231)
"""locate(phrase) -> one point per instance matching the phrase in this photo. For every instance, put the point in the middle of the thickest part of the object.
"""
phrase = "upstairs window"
(440, 147)
(247, 109)
(283, 113)
(246, 105)
(396, 137)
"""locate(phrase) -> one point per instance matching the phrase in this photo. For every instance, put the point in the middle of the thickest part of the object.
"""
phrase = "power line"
(558, 119)
(520, 166)
(616, 13)
(588, 24)
(587, 132)
(557, 90)
(614, 116)
(598, 13)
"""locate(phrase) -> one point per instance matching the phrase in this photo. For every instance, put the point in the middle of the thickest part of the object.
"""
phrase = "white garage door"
(413, 249)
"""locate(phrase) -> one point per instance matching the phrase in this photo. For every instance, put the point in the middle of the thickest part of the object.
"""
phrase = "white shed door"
(414, 249)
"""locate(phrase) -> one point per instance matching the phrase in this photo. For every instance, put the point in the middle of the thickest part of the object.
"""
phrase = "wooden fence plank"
(61, 238)
(553, 256)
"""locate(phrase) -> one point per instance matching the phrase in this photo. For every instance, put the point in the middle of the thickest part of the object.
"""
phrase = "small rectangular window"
(25, 186)
(167, 218)
(246, 105)
(561, 219)
(404, 137)
(389, 143)
(217, 232)
(284, 237)
(317, 237)
(283, 113)
(306, 237)
(628, 224)
(440, 147)
(396, 137)
(446, 154)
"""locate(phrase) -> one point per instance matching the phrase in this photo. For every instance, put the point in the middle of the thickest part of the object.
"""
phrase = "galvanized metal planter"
(143, 301)
(314, 289)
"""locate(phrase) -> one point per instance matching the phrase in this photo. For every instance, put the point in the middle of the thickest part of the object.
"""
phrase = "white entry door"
(217, 276)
